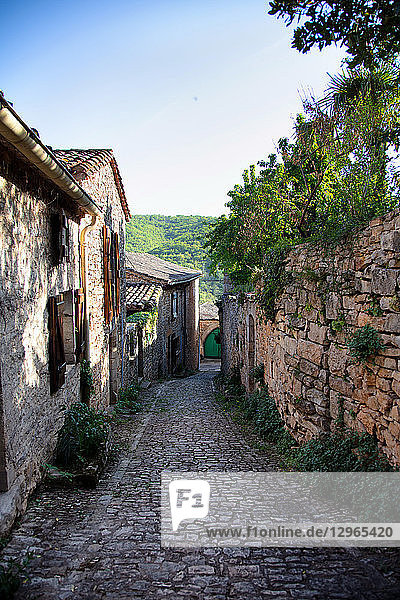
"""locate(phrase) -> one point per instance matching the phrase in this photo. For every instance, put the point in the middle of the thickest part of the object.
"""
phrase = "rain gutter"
(17, 133)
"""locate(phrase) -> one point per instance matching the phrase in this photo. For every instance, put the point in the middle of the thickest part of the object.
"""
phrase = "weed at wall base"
(128, 399)
(83, 435)
(341, 450)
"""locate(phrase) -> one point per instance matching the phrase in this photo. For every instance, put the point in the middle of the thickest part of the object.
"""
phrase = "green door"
(212, 347)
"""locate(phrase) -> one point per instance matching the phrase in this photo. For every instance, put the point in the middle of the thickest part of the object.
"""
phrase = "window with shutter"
(57, 364)
(112, 270)
(60, 238)
(174, 304)
(80, 331)
(107, 275)
(117, 276)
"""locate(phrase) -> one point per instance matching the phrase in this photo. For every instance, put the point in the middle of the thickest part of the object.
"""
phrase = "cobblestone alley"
(105, 543)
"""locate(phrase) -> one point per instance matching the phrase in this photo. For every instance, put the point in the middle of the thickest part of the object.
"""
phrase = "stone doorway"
(212, 344)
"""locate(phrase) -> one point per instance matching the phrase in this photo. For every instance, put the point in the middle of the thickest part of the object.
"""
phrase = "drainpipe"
(122, 342)
(82, 246)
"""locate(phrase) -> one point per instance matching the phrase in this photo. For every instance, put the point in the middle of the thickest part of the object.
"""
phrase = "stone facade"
(96, 172)
(308, 368)
(30, 412)
(241, 337)
(169, 343)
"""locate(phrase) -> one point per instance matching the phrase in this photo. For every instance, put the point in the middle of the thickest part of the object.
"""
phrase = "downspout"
(82, 247)
(123, 336)
(122, 348)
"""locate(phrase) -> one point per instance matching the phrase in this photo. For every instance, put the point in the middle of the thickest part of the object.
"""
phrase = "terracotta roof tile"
(82, 163)
(142, 295)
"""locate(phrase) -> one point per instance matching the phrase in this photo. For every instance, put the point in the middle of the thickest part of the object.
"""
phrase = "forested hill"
(178, 239)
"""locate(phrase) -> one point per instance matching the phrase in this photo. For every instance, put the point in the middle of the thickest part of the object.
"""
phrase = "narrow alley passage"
(105, 543)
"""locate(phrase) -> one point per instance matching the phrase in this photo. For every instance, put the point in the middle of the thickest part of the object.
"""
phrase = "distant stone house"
(62, 294)
(210, 346)
(163, 310)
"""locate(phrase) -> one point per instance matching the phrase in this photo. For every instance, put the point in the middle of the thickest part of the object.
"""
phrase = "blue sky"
(188, 94)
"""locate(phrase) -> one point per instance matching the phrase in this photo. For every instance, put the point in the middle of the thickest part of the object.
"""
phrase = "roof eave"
(19, 135)
(186, 280)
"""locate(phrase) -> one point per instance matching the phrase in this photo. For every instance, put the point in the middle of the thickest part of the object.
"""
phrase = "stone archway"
(205, 329)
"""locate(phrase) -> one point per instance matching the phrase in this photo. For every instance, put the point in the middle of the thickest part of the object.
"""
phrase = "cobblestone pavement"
(105, 543)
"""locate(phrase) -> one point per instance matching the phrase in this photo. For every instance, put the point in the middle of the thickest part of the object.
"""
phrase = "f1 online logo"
(189, 499)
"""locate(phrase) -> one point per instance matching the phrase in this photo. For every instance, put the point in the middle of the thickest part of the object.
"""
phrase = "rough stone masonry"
(332, 292)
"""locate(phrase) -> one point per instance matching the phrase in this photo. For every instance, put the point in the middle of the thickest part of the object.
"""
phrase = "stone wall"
(106, 341)
(30, 417)
(235, 323)
(154, 344)
(192, 326)
(332, 292)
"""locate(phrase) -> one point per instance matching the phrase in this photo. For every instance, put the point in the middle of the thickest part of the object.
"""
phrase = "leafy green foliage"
(364, 343)
(374, 308)
(337, 325)
(370, 29)
(82, 436)
(273, 279)
(146, 319)
(259, 408)
(87, 380)
(257, 373)
(341, 450)
(128, 399)
(332, 178)
(11, 575)
(178, 239)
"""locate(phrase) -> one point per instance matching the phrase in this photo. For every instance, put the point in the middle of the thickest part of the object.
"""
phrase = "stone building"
(163, 304)
(241, 335)
(210, 346)
(331, 295)
(62, 236)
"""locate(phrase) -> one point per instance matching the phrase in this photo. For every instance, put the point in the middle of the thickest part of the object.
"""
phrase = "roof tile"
(84, 162)
(159, 269)
(142, 295)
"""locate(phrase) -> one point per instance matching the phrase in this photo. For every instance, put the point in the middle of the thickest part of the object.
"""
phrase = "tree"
(318, 186)
(369, 29)
(377, 92)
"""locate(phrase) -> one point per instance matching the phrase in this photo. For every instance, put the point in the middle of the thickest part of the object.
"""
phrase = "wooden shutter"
(117, 276)
(59, 238)
(57, 364)
(107, 275)
(80, 332)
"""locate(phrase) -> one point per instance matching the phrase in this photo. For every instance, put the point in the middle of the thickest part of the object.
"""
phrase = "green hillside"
(178, 239)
